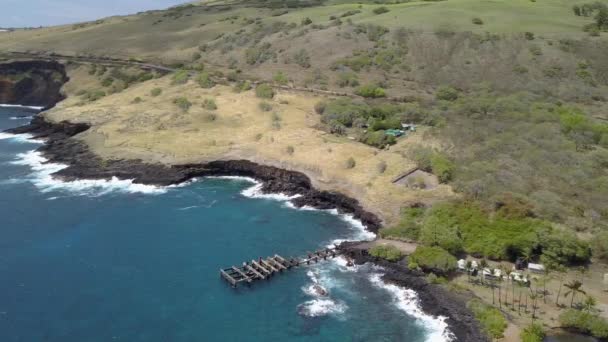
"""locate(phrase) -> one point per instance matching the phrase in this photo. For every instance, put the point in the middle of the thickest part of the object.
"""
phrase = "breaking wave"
(20, 138)
(407, 301)
(42, 178)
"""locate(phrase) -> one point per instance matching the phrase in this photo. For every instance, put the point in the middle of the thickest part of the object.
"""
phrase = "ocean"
(116, 261)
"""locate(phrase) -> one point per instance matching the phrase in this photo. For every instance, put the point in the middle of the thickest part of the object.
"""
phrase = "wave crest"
(407, 301)
(42, 178)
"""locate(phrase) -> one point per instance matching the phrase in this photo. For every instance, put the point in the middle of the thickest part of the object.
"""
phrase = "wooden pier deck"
(264, 268)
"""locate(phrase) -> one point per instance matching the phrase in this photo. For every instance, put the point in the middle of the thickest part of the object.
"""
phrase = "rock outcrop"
(32, 83)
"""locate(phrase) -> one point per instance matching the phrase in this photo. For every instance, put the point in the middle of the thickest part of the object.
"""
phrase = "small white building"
(462, 265)
(536, 268)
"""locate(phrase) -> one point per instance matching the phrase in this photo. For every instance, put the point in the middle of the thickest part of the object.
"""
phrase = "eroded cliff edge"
(32, 83)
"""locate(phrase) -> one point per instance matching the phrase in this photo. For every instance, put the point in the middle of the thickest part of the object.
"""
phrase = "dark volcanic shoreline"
(60, 147)
(434, 299)
(84, 164)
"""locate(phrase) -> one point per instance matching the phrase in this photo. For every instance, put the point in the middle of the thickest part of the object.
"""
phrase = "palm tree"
(482, 265)
(469, 266)
(506, 271)
(545, 279)
(520, 285)
(534, 297)
(573, 287)
(560, 269)
(583, 271)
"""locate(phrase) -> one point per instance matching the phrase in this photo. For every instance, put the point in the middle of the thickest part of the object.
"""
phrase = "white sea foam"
(321, 307)
(20, 117)
(20, 106)
(407, 301)
(21, 138)
(42, 178)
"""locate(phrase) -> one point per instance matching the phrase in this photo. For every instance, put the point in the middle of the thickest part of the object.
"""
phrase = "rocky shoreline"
(434, 299)
(84, 164)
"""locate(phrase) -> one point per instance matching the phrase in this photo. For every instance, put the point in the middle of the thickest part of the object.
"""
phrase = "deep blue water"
(111, 262)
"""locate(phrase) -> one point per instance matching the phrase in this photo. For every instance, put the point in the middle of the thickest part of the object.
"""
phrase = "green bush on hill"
(446, 93)
(280, 78)
(264, 91)
(380, 10)
(183, 103)
(370, 90)
(465, 227)
(378, 139)
(204, 80)
(156, 92)
(388, 252)
(180, 77)
(433, 259)
(408, 227)
(533, 333)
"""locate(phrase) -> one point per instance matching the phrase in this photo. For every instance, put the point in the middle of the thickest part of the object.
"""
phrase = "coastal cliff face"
(32, 83)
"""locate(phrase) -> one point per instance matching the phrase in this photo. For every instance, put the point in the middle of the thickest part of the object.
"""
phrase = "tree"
(601, 18)
(573, 287)
(561, 270)
(534, 297)
(483, 264)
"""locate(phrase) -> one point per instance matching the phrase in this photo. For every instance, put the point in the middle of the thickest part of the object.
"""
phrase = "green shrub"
(242, 86)
(586, 322)
(290, 150)
(280, 78)
(529, 35)
(180, 77)
(378, 139)
(106, 82)
(433, 259)
(265, 106)
(320, 107)
(209, 104)
(259, 54)
(350, 163)
(94, 95)
(182, 103)
(477, 21)
(156, 92)
(380, 10)
(442, 167)
(388, 252)
(533, 333)
(137, 100)
(196, 56)
(408, 227)
(491, 319)
(302, 58)
(371, 91)
(563, 247)
(446, 93)
(264, 91)
(306, 21)
(204, 80)
(347, 79)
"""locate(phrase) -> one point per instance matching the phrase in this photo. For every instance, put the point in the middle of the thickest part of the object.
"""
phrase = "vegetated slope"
(516, 90)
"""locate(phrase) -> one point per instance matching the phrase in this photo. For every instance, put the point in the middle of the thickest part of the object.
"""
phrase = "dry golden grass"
(156, 130)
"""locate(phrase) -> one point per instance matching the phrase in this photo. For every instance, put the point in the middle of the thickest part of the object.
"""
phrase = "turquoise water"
(112, 261)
